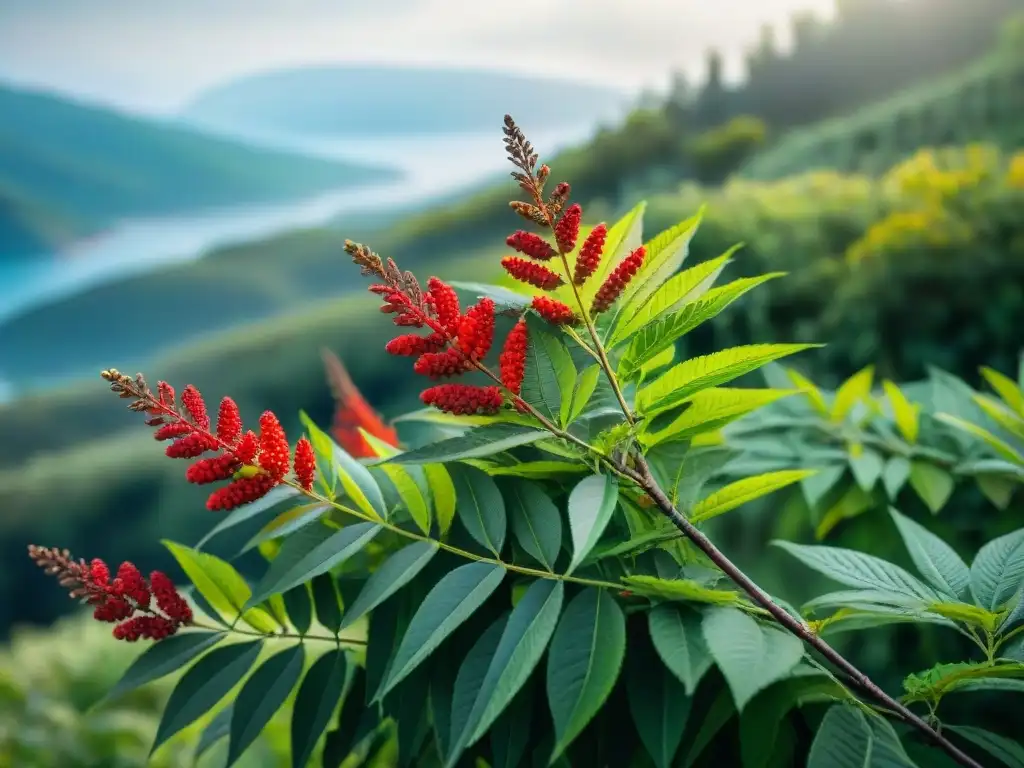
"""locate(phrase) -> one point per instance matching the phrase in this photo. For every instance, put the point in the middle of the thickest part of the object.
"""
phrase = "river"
(432, 166)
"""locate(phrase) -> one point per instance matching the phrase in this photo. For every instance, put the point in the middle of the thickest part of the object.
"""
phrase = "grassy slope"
(982, 103)
(99, 164)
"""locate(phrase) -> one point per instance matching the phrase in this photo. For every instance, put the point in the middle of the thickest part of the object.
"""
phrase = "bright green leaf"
(712, 409)
(443, 491)
(411, 495)
(938, 562)
(262, 695)
(623, 237)
(677, 636)
(480, 506)
(583, 390)
(355, 479)
(998, 570)
(318, 695)
(854, 390)
(204, 684)
(476, 443)
(905, 414)
(749, 488)
(750, 655)
(1006, 388)
(686, 590)
(591, 504)
(540, 470)
(1001, 447)
(583, 663)
(998, 490)
(310, 551)
(933, 484)
(808, 388)
(450, 603)
(682, 381)
(536, 522)
(852, 503)
(397, 571)
(222, 587)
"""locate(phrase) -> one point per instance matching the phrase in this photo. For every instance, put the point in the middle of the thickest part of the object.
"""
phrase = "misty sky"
(154, 56)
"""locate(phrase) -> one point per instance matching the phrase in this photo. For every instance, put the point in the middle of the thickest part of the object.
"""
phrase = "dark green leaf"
(318, 695)
(344, 738)
(471, 676)
(536, 523)
(163, 658)
(205, 683)
(328, 601)
(480, 507)
(583, 663)
(591, 504)
(1007, 751)
(895, 475)
(397, 571)
(718, 714)
(310, 551)
(452, 600)
(933, 484)
(750, 655)
(815, 487)
(867, 468)
(286, 523)
(218, 729)
(658, 703)
(262, 695)
(677, 636)
(510, 735)
(848, 738)
(247, 512)
(550, 374)
(299, 608)
(476, 443)
(940, 565)
(998, 570)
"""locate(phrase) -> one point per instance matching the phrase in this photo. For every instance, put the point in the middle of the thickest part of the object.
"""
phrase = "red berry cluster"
(617, 281)
(126, 601)
(456, 342)
(254, 463)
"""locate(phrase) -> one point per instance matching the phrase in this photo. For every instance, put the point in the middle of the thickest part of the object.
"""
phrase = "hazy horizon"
(80, 47)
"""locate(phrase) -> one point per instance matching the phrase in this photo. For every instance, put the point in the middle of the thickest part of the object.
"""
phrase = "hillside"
(97, 165)
(379, 100)
(982, 103)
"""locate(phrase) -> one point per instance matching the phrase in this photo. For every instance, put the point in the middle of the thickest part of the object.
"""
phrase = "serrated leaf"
(262, 695)
(583, 663)
(246, 512)
(810, 389)
(327, 599)
(854, 390)
(550, 374)
(443, 492)
(1007, 751)
(536, 522)
(309, 552)
(681, 589)
(623, 237)
(856, 569)
(583, 390)
(475, 443)
(679, 641)
(654, 338)
(524, 639)
(680, 289)
(397, 571)
(867, 467)
(169, 655)
(204, 684)
(895, 475)
(932, 483)
(710, 410)
(222, 587)
(591, 504)
(318, 695)
(905, 414)
(355, 479)
(450, 603)
(847, 738)
(682, 381)
(480, 506)
(938, 562)
(739, 493)
(998, 570)
(751, 656)
(1006, 388)
(299, 607)
(658, 703)
(540, 470)
(1001, 447)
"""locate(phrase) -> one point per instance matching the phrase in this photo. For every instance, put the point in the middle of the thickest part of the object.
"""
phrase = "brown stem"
(646, 481)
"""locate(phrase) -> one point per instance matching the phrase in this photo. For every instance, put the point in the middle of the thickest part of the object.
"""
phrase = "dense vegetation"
(55, 154)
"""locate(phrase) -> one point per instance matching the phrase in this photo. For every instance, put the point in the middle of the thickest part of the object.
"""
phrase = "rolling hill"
(379, 100)
(67, 168)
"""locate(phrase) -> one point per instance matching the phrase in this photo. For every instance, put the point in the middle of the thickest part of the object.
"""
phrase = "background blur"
(177, 180)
